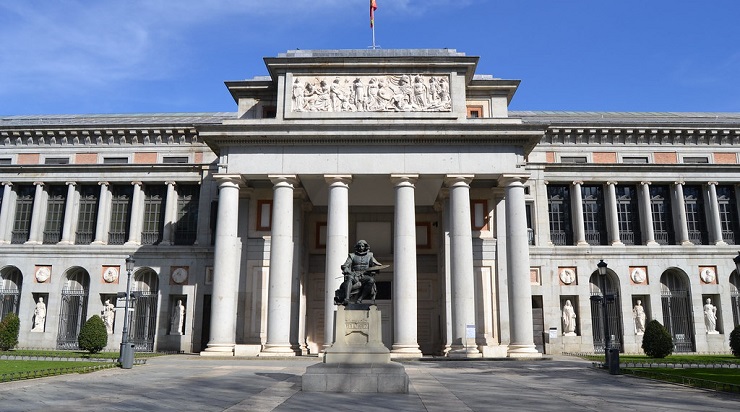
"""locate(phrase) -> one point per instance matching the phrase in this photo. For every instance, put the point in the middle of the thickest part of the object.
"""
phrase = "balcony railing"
(661, 237)
(150, 238)
(52, 238)
(19, 237)
(728, 236)
(559, 237)
(530, 236)
(696, 237)
(116, 238)
(83, 238)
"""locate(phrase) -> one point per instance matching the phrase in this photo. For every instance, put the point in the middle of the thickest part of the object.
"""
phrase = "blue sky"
(142, 56)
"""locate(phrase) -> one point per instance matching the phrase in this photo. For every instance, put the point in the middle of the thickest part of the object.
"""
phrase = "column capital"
(341, 179)
(679, 183)
(611, 183)
(404, 179)
(38, 183)
(283, 179)
(646, 183)
(712, 183)
(6, 183)
(170, 183)
(458, 180)
(577, 182)
(104, 183)
(137, 183)
(513, 179)
(70, 183)
(229, 180)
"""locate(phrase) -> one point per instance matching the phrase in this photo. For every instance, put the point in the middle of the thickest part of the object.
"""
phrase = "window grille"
(594, 221)
(55, 214)
(628, 216)
(695, 220)
(23, 212)
(186, 226)
(154, 206)
(120, 216)
(558, 201)
(660, 207)
(87, 215)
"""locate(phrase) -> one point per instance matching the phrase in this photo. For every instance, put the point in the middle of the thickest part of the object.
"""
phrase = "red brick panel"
(86, 158)
(666, 158)
(725, 158)
(605, 157)
(145, 158)
(29, 159)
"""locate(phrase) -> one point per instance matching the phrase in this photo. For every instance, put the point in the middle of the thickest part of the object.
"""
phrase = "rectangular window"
(175, 159)
(628, 216)
(213, 221)
(56, 161)
(475, 112)
(558, 203)
(660, 208)
(573, 159)
(120, 214)
(55, 214)
(479, 214)
(695, 159)
(5, 161)
(635, 159)
(154, 206)
(695, 218)
(88, 214)
(594, 218)
(115, 160)
(530, 228)
(23, 212)
(186, 226)
(728, 216)
(264, 214)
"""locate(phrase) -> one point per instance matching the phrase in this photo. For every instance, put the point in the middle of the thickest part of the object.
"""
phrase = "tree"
(657, 342)
(93, 336)
(9, 329)
(735, 341)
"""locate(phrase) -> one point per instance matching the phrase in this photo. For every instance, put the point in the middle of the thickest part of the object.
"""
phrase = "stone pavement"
(192, 383)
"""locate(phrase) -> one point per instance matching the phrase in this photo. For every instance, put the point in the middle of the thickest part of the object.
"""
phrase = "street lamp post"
(126, 356)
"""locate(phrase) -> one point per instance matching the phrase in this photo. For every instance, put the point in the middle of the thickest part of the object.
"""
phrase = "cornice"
(90, 136)
(663, 136)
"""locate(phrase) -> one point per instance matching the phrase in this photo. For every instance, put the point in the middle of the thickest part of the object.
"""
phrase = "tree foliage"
(93, 336)
(735, 341)
(9, 329)
(657, 342)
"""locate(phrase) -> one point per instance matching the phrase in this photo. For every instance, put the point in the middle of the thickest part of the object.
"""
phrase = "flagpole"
(373, 37)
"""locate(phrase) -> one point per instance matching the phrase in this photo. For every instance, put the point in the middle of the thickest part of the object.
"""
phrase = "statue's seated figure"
(359, 276)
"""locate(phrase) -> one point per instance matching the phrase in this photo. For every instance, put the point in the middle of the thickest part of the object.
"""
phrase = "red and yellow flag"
(373, 7)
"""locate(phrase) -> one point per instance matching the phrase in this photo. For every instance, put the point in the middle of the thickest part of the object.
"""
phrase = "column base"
(523, 351)
(218, 350)
(405, 351)
(721, 243)
(276, 351)
(464, 353)
(617, 243)
(687, 243)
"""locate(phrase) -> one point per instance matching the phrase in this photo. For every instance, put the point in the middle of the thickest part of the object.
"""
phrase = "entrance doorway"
(677, 316)
(601, 286)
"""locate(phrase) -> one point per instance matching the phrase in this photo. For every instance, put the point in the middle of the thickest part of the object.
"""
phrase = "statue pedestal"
(357, 361)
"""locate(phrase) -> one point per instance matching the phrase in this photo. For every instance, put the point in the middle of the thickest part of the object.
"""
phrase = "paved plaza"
(193, 383)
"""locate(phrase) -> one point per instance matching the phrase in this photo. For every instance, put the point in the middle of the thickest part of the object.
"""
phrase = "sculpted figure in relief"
(403, 92)
(639, 314)
(710, 317)
(39, 316)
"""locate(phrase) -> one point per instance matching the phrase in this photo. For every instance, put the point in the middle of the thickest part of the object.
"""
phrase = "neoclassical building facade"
(492, 221)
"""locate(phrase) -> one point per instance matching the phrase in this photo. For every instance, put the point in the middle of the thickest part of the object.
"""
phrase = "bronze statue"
(359, 272)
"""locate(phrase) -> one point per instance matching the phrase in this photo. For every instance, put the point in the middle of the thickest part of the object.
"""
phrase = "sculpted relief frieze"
(380, 93)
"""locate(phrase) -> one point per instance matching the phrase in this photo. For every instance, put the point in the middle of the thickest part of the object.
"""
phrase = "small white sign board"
(470, 331)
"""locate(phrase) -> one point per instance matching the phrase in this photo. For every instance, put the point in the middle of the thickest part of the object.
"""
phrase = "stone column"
(462, 278)
(611, 204)
(225, 268)
(443, 206)
(682, 227)
(281, 268)
(35, 232)
(404, 272)
(647, 215)
(137, 214)
(5, 212)
(101, 234)
(337, 246)
(715, 223)
(170, 214)
(579, 231)
(517, 262)
(70, 211)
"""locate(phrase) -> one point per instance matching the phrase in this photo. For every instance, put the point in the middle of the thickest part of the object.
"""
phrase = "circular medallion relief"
(110, 275)
(179, 275)
(567, 276)
(638, 275)
(707, 275)
(42, 274)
